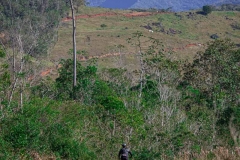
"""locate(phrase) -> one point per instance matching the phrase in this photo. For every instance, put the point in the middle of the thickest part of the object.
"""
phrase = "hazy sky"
(121, 4)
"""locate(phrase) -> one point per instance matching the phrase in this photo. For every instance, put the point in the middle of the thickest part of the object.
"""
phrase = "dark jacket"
(124, 154)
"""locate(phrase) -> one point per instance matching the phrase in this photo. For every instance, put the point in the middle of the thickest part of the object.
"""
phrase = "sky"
(120, 4)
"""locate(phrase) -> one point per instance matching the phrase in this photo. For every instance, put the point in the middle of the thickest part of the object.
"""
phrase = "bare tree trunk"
(21, 69)
(141, 74)
(74, 50)
(12, 91)
(214, 100)
(233, 131)
(19, 39)
(14, 62)
(1, 108)
(114, 124)
(21, 96)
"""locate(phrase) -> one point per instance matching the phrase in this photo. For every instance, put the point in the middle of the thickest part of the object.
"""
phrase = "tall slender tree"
(74, 49)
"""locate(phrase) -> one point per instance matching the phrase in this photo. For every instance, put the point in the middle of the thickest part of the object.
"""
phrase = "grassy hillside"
(191, 28)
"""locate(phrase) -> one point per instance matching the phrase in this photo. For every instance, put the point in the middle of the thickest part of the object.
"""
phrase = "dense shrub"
(38, 128)
(103, 25)
(207, 9)
(147, 155)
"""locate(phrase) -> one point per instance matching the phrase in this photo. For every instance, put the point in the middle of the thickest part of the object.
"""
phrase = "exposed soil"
(46, 72)
(85, 58)
(108, 14)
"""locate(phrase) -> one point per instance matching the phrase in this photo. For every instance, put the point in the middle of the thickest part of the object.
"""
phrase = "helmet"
(124, 144)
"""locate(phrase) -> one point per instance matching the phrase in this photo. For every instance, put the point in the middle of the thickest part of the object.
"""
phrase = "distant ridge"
(125, 4)
(175, 5)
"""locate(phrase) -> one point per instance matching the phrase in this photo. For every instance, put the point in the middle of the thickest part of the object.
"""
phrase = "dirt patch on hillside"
(85, 58)
(109, 14)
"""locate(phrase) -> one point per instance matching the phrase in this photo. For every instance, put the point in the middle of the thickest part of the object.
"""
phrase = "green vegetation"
(207, 10)
(227, 7)
(236, 26)
(103, 25)
(34, 22)
(108, 109)
(39, 127)
(164, 108)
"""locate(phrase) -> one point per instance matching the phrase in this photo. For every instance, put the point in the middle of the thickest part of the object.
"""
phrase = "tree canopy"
(207, 9)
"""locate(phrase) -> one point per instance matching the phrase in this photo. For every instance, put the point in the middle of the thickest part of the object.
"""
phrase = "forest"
(165, 109)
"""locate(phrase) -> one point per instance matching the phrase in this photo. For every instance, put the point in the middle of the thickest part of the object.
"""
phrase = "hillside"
(166, 84)
(184, 33)
(176, 5)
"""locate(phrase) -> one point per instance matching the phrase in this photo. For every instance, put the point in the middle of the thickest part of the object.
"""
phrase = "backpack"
(124, 152)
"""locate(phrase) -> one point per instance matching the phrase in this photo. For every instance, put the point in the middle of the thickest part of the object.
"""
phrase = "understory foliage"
(214, 80)
(161, 110)
(40, 127)
(31, 25)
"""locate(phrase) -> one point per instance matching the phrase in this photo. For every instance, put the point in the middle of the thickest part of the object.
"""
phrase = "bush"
(147, 155)
(61, 143)
(103, 25)
(40, 128)
(86, 77)
(207, 9)
(112, 103)
(236, 26)
(214, 36)
(4, 149)
(2, 52)
(23, 133)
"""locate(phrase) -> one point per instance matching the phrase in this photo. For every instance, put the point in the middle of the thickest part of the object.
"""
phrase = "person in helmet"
(124, 152)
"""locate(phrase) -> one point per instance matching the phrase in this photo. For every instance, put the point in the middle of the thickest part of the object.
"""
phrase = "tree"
(86, 78)
(137, 41)
(40, 19)
(78, 3)
(74, 49)
(207, 9)
(215, 73)
(31, 26)
(4, 80)
(145, 47)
